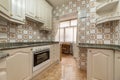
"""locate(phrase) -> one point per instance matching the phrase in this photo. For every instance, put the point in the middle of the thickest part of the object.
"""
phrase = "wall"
(29, 32)
(64, 12)
(88, 31)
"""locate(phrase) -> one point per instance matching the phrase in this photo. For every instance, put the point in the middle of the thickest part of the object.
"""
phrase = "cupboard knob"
(90, 50)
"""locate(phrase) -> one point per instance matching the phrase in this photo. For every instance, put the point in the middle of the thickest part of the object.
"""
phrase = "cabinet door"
(49, 17)
(5, 6)
(18, 9)
(18, 66)
(117, 65)
(100, 64)
(31, 8)
(40, 10)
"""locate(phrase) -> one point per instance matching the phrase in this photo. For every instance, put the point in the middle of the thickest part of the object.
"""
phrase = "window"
(62, 35)
(73, 22)
(67, 31)
(69, 34)
(64, 24)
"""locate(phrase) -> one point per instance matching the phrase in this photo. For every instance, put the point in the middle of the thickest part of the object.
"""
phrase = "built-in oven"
(40, 57)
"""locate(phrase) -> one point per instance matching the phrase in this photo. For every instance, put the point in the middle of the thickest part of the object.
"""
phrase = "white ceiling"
(56, 3)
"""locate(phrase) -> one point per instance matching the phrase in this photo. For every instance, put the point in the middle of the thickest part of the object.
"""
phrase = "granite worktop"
(3, 55)
(6, 46)
(99, 46)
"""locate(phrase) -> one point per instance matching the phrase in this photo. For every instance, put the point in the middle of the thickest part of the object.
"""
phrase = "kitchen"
(59, 40)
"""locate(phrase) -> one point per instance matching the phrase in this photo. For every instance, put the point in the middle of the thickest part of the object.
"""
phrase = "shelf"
(106, 18)
(107, 6)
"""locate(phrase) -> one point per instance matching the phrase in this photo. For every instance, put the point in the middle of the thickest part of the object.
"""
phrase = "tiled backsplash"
(29, 32)
(88, 31)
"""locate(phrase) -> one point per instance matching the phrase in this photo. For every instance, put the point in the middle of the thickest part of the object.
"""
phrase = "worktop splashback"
(29, 32)
(89, 32)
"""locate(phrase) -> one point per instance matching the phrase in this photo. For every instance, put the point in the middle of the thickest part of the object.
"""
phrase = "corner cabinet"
(107, 10)
(5, 7)
(18, 10)
(117, 65)
(100, 64)
(18, 66)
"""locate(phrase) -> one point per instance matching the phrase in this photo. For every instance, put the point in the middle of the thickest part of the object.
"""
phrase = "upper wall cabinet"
(5, 7)
(31, 8)
(18, 10)
(107, 10)
(13, 10)
(47, 15)
(40, 11)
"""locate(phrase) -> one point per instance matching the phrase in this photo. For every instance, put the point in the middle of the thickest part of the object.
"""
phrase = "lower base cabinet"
(55, 53)
(100, 64)
(103, 64)
(18, 66)
(117, 65)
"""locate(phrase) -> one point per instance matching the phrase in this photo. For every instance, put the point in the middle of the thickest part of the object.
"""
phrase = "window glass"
(73, 22)
(69, 34)
(67, 31)
(64, 24)
(62, 35)
(75, 34)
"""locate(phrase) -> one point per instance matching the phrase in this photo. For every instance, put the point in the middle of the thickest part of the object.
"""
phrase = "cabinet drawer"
(3, 64)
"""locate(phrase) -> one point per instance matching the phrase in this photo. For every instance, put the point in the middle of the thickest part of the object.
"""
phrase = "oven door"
(41, 56)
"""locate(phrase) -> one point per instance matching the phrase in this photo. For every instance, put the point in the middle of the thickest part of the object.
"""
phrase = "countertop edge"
(25, 46)
(99, 46)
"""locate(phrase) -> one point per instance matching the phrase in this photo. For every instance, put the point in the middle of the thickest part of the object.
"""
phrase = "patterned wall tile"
(88, 31)
(20, 33)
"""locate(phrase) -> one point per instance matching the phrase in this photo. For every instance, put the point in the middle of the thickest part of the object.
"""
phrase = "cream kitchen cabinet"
(18, 66)
(5, 7)
(49, 17)
(100, 64)
(3, 73)
(31, 8)
(55, 53)
(40, 11)
(13, 10)
(117, 65)
(107, 10)
(18, 10)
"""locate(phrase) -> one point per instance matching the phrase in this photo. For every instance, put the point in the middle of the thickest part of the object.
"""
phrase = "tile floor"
(66, 70)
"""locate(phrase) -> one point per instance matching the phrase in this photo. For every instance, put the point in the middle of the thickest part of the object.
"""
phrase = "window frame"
(68, 27)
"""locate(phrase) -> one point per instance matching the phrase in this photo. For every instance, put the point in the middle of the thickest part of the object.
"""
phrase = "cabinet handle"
(90, 50)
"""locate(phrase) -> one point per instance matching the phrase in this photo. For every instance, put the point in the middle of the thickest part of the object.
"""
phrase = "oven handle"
(39, 52)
